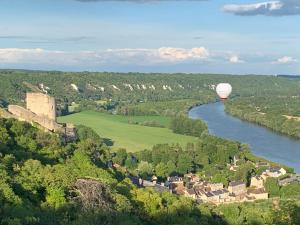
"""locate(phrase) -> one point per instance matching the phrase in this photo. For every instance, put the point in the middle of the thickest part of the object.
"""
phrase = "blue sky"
(217, 36)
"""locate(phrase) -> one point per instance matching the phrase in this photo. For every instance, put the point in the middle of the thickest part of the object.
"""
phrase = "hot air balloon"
(224, 90)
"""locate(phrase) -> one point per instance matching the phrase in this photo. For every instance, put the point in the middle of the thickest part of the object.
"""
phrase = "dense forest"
(47, 181)
(280, 114)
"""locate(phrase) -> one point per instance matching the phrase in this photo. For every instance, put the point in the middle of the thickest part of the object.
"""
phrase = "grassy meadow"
(127, 135)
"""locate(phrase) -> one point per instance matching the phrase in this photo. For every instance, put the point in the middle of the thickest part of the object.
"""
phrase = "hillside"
(46, 182)
(279, 113)
(86, 87)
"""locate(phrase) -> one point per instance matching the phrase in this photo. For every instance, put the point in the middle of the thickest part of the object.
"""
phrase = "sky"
(193, 36)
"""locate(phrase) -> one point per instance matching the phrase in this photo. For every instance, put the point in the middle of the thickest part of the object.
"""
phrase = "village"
(203, 191)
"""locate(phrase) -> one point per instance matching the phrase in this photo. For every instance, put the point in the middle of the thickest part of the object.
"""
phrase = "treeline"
(272, 113)
(208, 158)
(183, 125)
(165, 160)
(164, 108)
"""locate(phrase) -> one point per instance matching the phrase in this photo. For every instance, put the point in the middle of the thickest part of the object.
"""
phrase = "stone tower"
(42, 105)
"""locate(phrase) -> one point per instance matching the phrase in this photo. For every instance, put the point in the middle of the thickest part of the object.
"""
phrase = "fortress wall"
(21, 113)
(42, 105)
(6, 115)
(26, 115)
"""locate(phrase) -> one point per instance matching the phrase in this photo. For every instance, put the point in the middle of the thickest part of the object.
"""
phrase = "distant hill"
(87, 88)
(290, 76)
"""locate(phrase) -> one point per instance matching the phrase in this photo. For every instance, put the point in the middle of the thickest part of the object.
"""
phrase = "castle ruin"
(41, 104)
(41, 109)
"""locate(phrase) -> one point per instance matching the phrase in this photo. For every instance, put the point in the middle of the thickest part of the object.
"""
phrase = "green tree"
(171, 167)
(272, 187)
(184, 163)
(55, 197)
(145, 169)
(131, 162)
(161, 170)
(120, 157)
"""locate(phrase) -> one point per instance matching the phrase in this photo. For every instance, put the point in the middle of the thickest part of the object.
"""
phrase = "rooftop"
(219, 192)
(236, 183)
(175, 179)
(256, 191)
(191, 191)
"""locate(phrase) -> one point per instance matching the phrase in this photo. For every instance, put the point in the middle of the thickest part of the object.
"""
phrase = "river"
(263, 141)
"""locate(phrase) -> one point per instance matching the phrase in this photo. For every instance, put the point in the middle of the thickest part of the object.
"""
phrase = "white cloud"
(268, 8)
(120, 56)
(235, 59)
(285, 60)
(181, 54)
(38, 55)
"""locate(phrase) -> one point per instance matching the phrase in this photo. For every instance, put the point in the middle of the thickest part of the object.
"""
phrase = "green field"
(130, 136)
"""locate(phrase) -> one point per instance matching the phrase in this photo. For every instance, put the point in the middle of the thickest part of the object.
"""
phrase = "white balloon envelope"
(224, 90)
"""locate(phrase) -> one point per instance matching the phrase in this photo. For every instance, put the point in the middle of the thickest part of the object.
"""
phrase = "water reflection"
(263, 142)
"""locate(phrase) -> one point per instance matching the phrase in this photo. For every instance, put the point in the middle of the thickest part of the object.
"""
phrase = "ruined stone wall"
(6, 115)
(41, 109)
(28, 116)
(42, 105)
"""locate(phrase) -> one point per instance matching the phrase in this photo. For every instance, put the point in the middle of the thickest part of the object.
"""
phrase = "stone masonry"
(42, 105)
(41, 109)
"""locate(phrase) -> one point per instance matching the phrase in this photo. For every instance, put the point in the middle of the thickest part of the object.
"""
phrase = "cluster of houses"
(216, 193)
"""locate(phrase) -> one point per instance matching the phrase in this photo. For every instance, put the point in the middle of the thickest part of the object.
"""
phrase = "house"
(289, 180)
(215, 186)
(201, 194)
(258, 194)
(160, 187)
(275, 172)
(237, 187)
(218, 196)
(264, 176)
(146, 183)
(257, 182)
(233, 168)
(175, 179)
(179, 191)
(192, 178)
(176, 183)
(210, 197)
(190, 193)
(261, 164)
(154, 179)
(221, 194)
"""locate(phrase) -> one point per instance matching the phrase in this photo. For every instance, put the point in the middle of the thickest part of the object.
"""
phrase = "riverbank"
(277, 115)
(263, 142)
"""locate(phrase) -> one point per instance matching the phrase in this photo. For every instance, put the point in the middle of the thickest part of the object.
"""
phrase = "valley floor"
(124, 131)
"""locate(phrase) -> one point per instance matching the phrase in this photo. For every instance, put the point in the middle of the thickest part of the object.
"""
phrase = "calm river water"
(263, 142)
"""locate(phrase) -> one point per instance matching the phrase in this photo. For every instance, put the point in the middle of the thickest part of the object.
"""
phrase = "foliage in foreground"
(44, 181)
